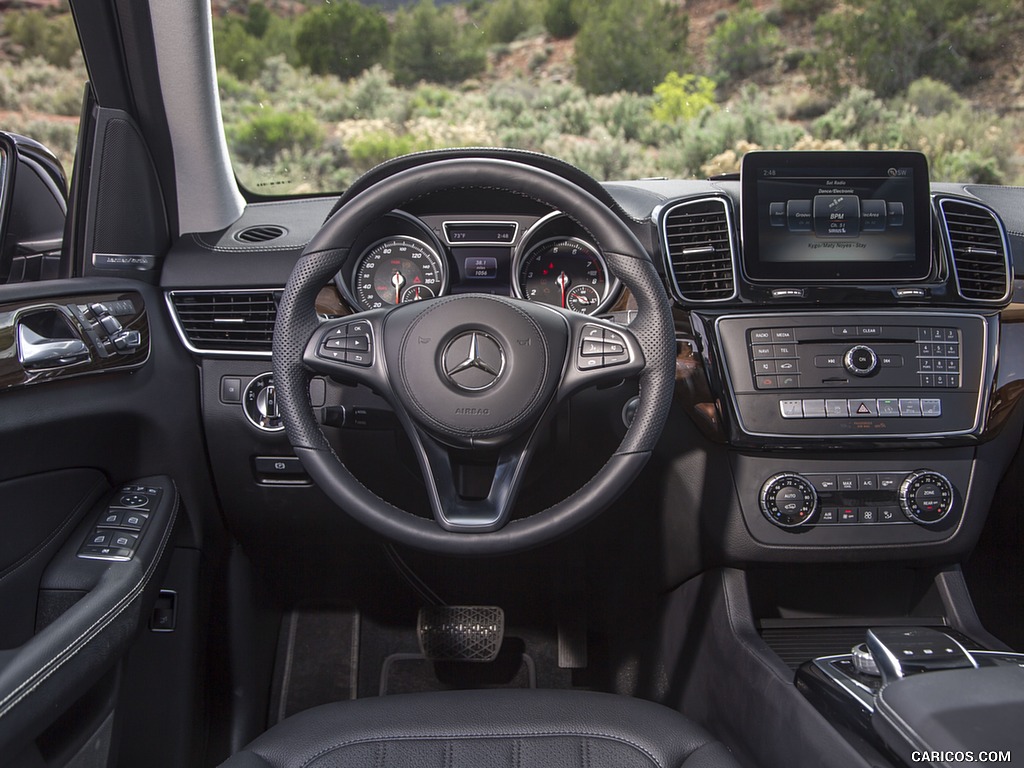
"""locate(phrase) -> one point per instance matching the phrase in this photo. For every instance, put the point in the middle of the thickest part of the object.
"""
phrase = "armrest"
(951, 712)
(53, 668)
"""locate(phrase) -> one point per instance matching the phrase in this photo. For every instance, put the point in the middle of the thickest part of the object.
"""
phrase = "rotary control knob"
(860, 360)
(788, 500)
(259, 402)
(926, 497)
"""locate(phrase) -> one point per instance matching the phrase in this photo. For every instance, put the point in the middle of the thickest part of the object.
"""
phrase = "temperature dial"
(926, 497)
(788, 500)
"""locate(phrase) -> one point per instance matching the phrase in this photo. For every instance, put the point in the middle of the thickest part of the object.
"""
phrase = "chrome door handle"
(35, 351)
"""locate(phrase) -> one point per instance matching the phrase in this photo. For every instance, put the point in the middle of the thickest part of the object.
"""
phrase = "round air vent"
(260, 234)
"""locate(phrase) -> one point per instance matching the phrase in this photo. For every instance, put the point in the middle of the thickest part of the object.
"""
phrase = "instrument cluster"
(548, 259)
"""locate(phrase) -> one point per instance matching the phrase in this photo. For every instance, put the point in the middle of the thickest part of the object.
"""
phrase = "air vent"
(977, 243)
(232, 322)
(260, 234)
(698, 245)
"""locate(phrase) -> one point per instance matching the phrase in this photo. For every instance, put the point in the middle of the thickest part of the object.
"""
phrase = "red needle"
(563, 281)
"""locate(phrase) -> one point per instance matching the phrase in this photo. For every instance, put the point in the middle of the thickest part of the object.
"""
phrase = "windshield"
(315, 93)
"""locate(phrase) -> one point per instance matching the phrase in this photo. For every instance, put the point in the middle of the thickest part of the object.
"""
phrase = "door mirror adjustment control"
(120, 526)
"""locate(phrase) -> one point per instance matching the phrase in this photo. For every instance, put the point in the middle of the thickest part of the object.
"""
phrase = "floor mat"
(317, 662)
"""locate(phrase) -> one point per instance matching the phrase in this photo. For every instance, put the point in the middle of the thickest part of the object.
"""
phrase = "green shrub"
(34, 34)
(342, 38)
(892, 44)
(375, 148)
(931, 97)
(429, 44)
(560, 19)
(257, 20)
(743, 44)
(508, 19)
(860, 117)
(259, 139)
(810, 9)
(682, 97)
(629, 45)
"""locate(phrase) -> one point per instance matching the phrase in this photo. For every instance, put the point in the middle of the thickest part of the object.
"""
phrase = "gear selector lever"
(902, 651)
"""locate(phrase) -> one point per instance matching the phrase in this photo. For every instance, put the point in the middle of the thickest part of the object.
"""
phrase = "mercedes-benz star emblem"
(473, 361)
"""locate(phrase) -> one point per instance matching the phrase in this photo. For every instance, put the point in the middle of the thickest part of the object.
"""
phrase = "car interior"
(483, 462)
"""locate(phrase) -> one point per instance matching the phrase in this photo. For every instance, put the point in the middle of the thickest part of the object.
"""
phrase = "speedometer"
(566, 272)
(397, 270)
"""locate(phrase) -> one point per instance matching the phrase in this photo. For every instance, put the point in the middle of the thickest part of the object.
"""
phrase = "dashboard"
(848, 336)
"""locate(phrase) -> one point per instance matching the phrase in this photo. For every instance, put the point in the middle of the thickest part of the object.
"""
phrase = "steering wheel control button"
(926, 497)
(350, 343)
(860, 360)
(788, 500)
(600, 348)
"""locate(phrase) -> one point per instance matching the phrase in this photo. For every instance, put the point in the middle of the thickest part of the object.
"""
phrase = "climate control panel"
(794, 500)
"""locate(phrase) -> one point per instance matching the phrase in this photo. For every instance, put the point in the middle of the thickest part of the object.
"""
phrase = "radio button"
(814, 409)
(910, 406)
(760, 336)
(837, 409)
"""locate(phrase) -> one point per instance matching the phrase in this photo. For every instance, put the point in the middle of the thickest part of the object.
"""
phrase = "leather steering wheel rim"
(329, 250)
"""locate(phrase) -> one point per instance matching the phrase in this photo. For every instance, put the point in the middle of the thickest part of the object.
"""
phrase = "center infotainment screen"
(835, 216)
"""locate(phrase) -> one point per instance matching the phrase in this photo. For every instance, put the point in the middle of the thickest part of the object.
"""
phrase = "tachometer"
(566, 272)
(397, 270)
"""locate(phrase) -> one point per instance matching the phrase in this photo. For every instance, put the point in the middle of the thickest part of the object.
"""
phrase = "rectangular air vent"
(977, 244)
(697, 237)
(233, 322)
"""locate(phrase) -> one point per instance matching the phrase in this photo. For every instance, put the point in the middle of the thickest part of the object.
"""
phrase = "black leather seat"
(487, 729)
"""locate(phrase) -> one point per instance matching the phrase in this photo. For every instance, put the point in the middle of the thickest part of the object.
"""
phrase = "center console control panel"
(855, 375)
(793, 500)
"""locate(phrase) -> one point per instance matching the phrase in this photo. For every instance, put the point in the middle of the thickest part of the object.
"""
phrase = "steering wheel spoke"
(473, 491)
(600, 352)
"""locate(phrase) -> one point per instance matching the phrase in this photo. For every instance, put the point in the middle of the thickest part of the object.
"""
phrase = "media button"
(891, 361)
(783, 335)
(827, 361)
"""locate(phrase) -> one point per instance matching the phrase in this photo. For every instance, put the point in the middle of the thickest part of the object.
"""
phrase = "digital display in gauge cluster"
(547, 260)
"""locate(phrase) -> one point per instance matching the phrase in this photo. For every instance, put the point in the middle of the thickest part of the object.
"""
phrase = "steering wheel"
(473, 374)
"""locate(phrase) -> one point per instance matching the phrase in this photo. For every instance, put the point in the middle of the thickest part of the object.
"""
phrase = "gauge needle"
(398, 280)
(563, 283)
